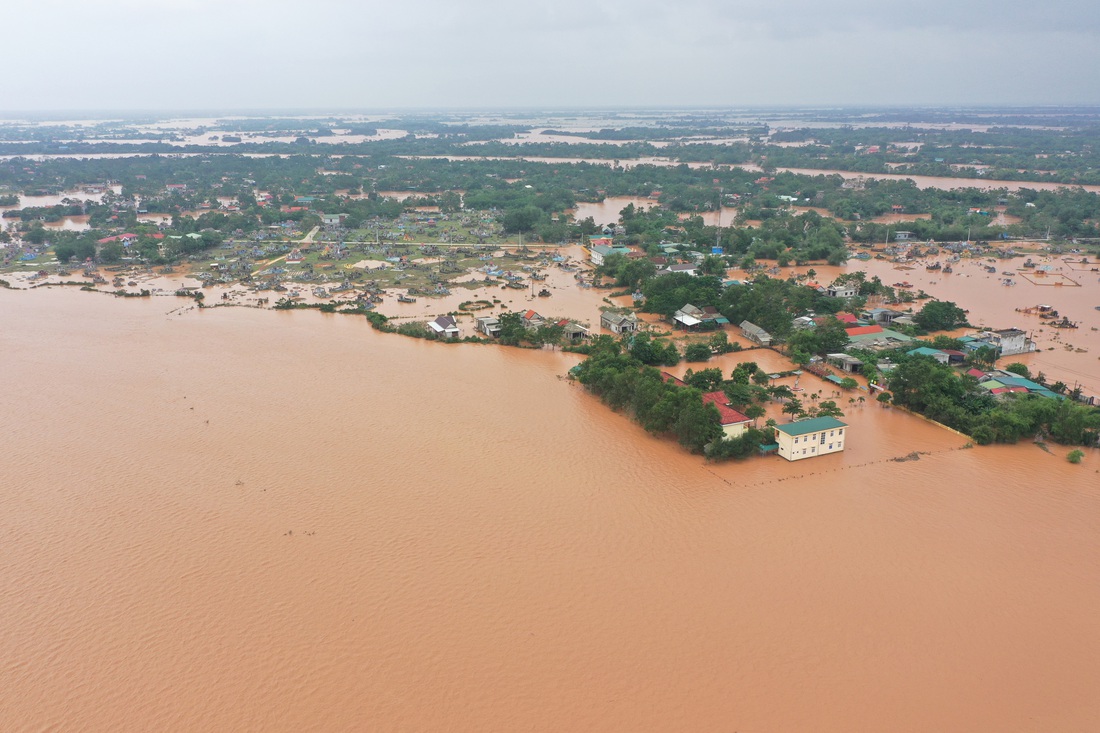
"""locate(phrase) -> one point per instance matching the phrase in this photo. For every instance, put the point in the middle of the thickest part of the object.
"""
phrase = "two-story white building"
(1010, 341)
(842, 290)
(810, 438)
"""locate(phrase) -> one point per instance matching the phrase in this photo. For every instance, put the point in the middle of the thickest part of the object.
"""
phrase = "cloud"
(430, 53)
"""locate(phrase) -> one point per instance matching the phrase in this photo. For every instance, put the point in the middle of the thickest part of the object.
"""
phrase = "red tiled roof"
(863, 330)
(975, 373)
(726, 414)
(675, 380)
(846, 317)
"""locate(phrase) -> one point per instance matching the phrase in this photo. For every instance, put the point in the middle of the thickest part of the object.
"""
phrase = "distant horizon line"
(10, 114)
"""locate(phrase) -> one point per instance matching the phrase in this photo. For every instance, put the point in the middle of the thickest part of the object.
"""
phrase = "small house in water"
(845, 362)
(489, 325)
(755, 333)
(445, 326)
(810, 438)
(571, 331)
(531, 320)
(619, 322)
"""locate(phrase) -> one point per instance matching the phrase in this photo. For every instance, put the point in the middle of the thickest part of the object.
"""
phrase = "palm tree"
(793, 408)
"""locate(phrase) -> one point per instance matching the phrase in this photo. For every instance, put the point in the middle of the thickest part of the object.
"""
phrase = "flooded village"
(361, 438)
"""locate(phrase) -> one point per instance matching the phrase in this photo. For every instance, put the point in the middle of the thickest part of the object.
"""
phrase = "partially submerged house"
(489, 325)
(817, 436)
(733, 422)
(845, 362)
(445, 326)
(600, 249)
(571, 331)
(691, 316)
(531, 320)
(755, 333)
(619, 322)
(1007, 341)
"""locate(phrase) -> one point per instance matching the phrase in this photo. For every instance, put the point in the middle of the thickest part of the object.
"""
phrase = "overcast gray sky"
(232, 54)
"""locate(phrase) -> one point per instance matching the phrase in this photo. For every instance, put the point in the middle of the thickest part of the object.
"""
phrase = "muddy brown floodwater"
(237, 519)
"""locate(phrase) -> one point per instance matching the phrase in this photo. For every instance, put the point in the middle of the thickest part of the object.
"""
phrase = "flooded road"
(240, 519)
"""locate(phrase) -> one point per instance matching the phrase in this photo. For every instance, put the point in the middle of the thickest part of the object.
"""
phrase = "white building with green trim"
(817, 436)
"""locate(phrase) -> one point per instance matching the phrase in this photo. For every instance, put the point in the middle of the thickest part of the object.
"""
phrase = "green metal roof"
(813, 425)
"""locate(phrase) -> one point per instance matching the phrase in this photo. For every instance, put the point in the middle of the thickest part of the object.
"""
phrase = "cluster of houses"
(673, 259)
(1006, 342)
(794, 441)
(999, 382)
(489, 326)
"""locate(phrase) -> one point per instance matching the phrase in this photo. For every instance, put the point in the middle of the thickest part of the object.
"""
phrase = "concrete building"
(1009, 341)
(489, 325)
(810, 438)
(844, 290)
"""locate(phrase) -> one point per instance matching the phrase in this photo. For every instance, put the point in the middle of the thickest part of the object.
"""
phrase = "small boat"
(544, 293)
(405, 299)
(948, 270)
